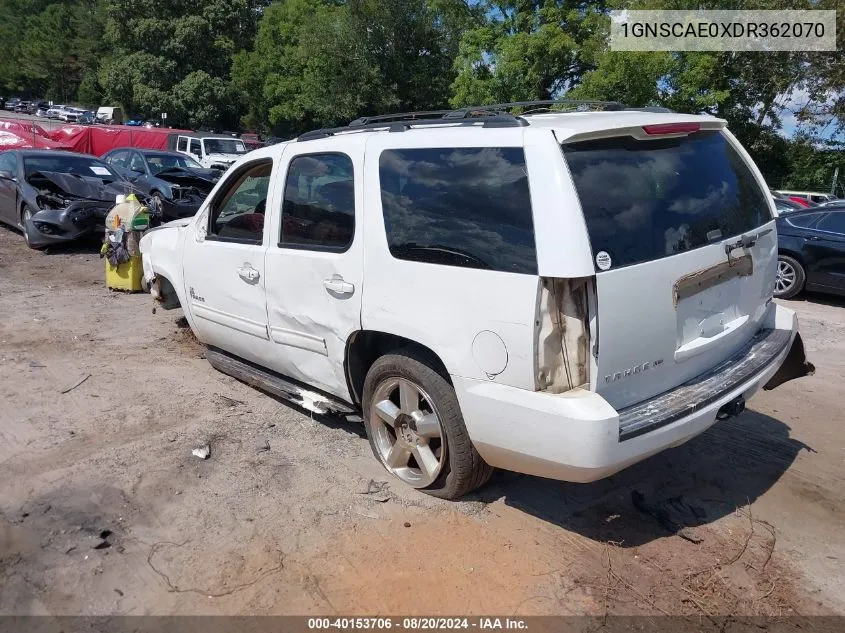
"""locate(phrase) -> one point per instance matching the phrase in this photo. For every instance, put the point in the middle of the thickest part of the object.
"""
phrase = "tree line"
(281, 67)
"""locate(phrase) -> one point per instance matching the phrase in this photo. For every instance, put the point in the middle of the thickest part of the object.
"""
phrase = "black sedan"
(176, 184)
(811, 251)
(56, 197)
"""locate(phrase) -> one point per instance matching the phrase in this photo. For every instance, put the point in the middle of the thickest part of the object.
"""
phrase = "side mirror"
(7, 175)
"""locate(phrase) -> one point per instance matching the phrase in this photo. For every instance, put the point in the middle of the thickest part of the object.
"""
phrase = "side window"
(467, 207)
(182, 144)
(237, 213)
(804, 221)
(319, 207)
(118, 159)
(833, 222)
(136, 163)
(8, 163)
(196, 147)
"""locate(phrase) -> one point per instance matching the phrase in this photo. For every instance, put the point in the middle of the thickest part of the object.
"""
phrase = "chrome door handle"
(338, 285)
(248, 273)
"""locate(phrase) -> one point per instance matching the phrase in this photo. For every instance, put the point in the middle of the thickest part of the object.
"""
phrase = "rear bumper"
(578, 436)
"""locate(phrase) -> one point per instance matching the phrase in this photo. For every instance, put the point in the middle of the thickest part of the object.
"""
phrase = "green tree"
(528, 49)
(323, 63)
(175, 56)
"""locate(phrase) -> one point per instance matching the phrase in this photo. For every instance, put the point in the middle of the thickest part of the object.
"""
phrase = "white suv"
(559, 294)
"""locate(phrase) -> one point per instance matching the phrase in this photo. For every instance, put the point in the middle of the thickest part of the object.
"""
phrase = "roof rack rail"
(504, 107)
(402, 122)
(658, 109)
(494, 115)
(399, 116)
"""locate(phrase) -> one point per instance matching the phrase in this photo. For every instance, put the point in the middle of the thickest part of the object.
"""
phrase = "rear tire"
(790, 277)
(416, 430)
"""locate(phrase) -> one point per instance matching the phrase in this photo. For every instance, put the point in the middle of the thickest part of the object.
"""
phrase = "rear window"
(644, 200)
(466, 207)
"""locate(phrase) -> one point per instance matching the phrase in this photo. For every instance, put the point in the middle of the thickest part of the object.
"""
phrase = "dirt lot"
(290, 530)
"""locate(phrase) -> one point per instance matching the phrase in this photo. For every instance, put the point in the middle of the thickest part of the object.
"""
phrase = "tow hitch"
(731, 409)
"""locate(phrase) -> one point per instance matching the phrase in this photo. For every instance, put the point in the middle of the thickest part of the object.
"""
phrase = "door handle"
(248, 273)
(813, 238)
(338, 285)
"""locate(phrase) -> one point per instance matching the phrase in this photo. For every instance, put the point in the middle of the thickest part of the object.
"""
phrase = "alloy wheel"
(785, 279)
(408, 434)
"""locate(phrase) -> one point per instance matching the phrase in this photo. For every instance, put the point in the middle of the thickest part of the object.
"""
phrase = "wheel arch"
(364, 347)
(794, 254)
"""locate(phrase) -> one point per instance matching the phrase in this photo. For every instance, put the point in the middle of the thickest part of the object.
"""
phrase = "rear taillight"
(671, 128)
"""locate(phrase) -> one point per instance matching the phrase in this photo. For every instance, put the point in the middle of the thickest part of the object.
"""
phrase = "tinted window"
(182, 144)
(196, 147)
(644, 200)
(8, 163)
(159, 162)
(459, 207)
(833, 222)
(118, 159)
(136, 163)
(804, 220)
(319, 205)
(238, 211)
(224, 146)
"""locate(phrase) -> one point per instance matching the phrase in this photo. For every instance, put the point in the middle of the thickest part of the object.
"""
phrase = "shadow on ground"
(727, 467)
(835, 301)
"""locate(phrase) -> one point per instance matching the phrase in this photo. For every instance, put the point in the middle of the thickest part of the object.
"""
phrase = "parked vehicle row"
(811, 251)
(403, 267)
(175, 184)
(54, 196)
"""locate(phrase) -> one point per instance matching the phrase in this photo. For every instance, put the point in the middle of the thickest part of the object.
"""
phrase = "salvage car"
(55, 197)
(811, 252)
(176, 184)
(559, 294)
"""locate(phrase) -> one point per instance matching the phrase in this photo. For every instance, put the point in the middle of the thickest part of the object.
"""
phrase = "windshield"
(160, 162)
(644, 200)
(79, 165)
(224, 146)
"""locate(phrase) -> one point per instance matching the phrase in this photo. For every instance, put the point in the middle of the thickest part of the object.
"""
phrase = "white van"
(559, 294)
(214, 151)
(110, 115)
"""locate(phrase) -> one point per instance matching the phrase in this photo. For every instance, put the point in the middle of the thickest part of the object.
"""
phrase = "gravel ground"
(104, 510)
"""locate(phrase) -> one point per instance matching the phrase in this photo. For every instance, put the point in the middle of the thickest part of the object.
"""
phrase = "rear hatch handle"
(746, 241)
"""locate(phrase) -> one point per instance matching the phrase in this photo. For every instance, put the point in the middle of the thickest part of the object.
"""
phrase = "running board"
(273, 383)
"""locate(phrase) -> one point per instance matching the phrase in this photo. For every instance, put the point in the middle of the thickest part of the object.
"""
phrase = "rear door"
(825, 245)
(314, 262)
(666, 207)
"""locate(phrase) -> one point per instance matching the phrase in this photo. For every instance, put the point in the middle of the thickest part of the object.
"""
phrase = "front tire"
(790, 277)
(416, 430)
(26, 216)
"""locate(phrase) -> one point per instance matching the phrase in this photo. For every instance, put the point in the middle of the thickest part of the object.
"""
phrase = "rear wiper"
(746, 241)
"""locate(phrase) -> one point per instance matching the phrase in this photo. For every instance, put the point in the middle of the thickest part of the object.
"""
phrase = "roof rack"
(490, 116)
(573, 103)
(404, 121)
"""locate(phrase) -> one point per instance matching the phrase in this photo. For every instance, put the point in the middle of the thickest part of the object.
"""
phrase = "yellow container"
(125, 276)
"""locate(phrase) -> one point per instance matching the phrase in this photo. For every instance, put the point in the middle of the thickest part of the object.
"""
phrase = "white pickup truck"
(560, 294)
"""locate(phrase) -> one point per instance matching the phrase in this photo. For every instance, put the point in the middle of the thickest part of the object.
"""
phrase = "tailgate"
(685, 251)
